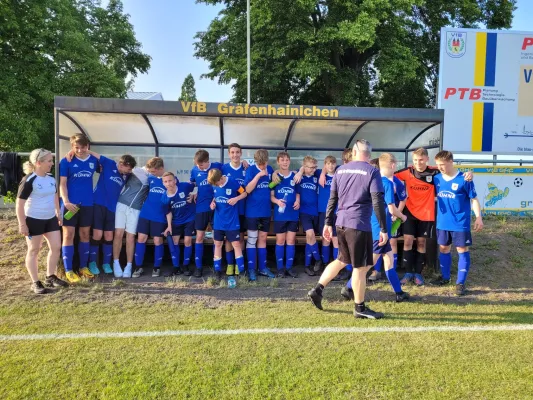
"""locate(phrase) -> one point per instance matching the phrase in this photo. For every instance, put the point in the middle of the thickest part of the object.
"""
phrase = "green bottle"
(69, 214)
(395, 225)
(273, 184)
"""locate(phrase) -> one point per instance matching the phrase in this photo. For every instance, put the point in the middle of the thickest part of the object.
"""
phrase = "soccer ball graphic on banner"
(518, 182)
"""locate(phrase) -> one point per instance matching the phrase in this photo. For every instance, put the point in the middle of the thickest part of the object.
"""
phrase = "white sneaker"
(127, 271)
(138, 272)
(117, 270)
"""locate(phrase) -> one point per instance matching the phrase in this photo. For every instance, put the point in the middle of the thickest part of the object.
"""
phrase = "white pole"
(248, 62)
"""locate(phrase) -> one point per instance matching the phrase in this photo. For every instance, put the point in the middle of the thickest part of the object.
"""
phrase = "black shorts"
(186, 229)
(231, 236)
(40, 226)
(322, 222)
(258, 224)
(242, 223)
(310, 222)
(151, 228)
(203, 219)
(285, 226)
(419, 229)
(355, 247)
(104, 220)
(83, 218)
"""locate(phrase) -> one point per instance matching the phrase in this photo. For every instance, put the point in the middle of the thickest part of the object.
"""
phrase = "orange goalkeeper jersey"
(420, 191)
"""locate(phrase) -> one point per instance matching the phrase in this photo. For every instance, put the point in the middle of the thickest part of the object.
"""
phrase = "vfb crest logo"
(456, 44)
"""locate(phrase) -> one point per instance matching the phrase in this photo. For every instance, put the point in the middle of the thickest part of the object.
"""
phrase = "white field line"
(270, 331)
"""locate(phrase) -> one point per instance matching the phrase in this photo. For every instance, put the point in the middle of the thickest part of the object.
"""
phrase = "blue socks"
(280, 250)
(159, 252)
(315, 252)
(262, 261)
(68, 255)
(140, 248)
(349, 284)
(230, 257)
(251, 253)
(174, 251)
(335, 253)
(107, 249)
(379, 264)
(83, 251)
(463, 267)
(308, 255)
(240, 264)
(445, 265)
(291, 249)
(93, 250)
(349, 268)
(218, 264)
(187, 253)
(395, 261)
(325, 254)
(394, 281)
(199, 254)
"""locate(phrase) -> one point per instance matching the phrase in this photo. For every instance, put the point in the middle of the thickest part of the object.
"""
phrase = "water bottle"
(273, 184)
(69, 214)
(395, 225)
(232, 282)
(281, 209)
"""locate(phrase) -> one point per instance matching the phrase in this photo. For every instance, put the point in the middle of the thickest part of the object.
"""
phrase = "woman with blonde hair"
(39, 215)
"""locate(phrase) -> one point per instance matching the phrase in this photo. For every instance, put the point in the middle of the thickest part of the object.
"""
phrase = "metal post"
(248, 57)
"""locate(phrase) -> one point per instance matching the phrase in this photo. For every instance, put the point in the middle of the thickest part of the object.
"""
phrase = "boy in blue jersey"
(309, 213)
(330, 165)
(286, 215)
(386, 163)
(152, 219)
(227, 193)
(258, 213)
(204, 214)
(456, 198)
(76, 188)
(236, 170)
(180, 221)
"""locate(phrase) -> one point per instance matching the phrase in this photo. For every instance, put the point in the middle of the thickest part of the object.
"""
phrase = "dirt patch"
(501, 271)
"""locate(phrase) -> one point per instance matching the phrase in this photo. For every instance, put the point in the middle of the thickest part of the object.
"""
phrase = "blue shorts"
(242, 223)
(104, 220)
(186, 229)
(459, 239)
(285, 226)
(203, 219)
(322, 222)
(309, 222)
(258, 224)
(232, 236)
(377, 249)
(83, 218)
(151, 228)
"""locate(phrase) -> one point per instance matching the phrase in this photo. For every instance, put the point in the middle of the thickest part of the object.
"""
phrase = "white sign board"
(486, 90)
(503, 190)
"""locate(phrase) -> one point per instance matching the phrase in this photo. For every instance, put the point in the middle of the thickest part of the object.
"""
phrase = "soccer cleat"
(127, 271)
(266, 272)
(186, 270)
(281, 273)
(408, 277)
(156, 272)
(419, 280)
(86, 273)
(198, 272)
(230, 270)
(318, 266)
(309, 271)
(291, 273)
(440, 281)
(460, 289)
(218, 275)
(236, 271)
(94, 268)
(107, 269)
(38, 288)
(343, 275)
(252, 277)
(367, 313)
(374, 276)
(138, 272)
(316, 298)
(72, 277)
(347, 293)
(402, 297)
(176, 271)
(54, 281)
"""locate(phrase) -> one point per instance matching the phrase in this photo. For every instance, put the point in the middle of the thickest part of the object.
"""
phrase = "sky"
(166, 29)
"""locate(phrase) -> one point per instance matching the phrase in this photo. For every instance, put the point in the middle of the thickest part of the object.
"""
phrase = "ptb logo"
(475, 94)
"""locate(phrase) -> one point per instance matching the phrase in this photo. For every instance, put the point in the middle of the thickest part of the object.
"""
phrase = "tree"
(188, 91)
(60, 47)
(339, 52)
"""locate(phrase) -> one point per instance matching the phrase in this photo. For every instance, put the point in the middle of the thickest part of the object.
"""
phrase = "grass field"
(399, 364)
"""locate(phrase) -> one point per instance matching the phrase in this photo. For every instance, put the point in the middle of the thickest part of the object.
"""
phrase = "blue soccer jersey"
(454, 208)
(291, 189)
(109, 185)
(388, 197)
(79, 174)
(153, 208)
(238, 174)
(226, 215)
(205, 191)
(182, 212)
(309, 194)
(258, 204)
(399, 191)
(323, 194)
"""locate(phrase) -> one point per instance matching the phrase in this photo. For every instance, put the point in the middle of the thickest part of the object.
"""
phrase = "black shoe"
(347, 293)
(280, 273)
(54, 281)
(315, 298)
(291, 273)
(402, 297)
(367, 313)
(309, 271)
(344, 275)
(186, 270)
(176, 271)
(38, 288)
(460, 289)
(318, 266)
(218, 275)
(198, 273)
(440, 281)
